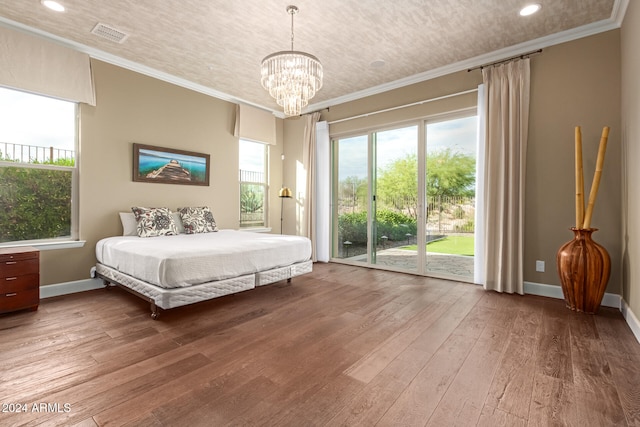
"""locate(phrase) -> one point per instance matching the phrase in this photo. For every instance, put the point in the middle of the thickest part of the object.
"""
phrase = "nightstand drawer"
(11, 301)
(19, 268)
(17, 255)
(19, 283)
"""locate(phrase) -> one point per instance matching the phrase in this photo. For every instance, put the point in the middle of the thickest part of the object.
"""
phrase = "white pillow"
(129, 224)
(178, 220)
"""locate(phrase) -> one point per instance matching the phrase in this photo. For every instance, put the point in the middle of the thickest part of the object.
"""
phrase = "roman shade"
(255, 124)
(35, 65)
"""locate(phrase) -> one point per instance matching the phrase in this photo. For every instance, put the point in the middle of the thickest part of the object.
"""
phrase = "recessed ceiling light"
(378, 63)
(530, 9)
(53, 5)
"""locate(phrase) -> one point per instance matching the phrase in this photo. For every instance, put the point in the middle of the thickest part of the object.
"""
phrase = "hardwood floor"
(341, 346)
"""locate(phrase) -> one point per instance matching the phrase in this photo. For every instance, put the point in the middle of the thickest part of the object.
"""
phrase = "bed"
(178, 269)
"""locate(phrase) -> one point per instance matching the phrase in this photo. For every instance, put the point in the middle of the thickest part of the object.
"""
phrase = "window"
(38, 168)
(253, 184)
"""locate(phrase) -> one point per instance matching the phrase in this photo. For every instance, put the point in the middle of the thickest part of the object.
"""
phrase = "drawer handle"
(10, 278)
(11, 262)
(13, 294)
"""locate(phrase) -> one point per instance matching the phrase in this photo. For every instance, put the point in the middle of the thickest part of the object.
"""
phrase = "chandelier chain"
(292, 12)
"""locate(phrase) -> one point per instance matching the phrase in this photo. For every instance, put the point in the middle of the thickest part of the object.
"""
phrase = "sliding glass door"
(395, 198)
(450, 187)
(375, 198)
(351, 199)
(403, 198)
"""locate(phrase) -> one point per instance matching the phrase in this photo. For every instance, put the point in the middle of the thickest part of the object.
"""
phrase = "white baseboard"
(66, 288)
(631, 319)
(552, 291)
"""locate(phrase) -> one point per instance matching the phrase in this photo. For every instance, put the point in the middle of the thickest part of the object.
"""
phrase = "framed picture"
(169, 166)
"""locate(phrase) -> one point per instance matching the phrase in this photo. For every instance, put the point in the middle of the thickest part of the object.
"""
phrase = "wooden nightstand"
(19, 279)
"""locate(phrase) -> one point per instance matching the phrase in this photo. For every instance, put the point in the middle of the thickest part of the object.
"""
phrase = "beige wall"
(293, 175)
(572, 84)
(630, 40)
(575, 83)
(135, 108)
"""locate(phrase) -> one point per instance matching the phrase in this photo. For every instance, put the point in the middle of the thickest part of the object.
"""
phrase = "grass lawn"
(455, 245)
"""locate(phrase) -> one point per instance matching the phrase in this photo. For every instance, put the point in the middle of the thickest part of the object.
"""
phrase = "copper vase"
(584, 267)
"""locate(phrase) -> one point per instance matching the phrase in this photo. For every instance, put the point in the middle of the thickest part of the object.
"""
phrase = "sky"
(36, 120)
(251, 156)
(458, 134)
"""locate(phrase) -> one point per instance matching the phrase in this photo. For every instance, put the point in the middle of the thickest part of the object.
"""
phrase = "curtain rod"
(524, 55)
(404, 106)
(315, 111)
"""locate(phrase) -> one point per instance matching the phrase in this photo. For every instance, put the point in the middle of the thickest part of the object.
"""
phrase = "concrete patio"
(456, 265)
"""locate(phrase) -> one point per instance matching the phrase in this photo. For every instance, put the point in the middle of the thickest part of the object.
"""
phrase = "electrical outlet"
(540, 266)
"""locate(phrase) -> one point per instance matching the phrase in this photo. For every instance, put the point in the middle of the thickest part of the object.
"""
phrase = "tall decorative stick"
(596, 177)
(579, 180)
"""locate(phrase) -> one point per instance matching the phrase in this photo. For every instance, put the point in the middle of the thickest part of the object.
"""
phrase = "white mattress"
(190, 259)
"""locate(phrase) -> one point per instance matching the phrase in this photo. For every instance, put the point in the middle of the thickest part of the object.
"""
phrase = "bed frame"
(175, 297)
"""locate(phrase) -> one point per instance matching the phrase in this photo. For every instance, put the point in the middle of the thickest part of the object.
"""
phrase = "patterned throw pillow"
(154, 222)
(197, 220)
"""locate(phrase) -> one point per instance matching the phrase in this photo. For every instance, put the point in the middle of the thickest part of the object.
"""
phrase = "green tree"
(397, 185)
(450, 173)
(34, 203)
(251, 198)
(352, 190)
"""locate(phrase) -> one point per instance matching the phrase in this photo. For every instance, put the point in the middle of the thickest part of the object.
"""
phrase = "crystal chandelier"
(291, 77)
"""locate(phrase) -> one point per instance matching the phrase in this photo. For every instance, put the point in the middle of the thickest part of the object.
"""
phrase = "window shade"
(39, 66)
(255, 124)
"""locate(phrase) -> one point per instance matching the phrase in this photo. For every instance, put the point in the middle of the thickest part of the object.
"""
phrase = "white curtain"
(309, 163)
(323, 192)
(507, 117)
(479, 258)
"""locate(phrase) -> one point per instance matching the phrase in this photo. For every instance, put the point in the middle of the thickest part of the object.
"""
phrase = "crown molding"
(614, 22)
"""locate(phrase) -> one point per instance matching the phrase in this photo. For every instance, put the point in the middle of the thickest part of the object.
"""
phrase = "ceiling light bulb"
(53, 5)
(530, 9)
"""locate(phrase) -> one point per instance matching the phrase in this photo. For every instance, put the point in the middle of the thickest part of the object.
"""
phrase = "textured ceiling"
(217, 46)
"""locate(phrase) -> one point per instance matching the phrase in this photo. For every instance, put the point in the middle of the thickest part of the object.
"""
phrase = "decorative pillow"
(129, 224)
(197, 220)
(154, 222)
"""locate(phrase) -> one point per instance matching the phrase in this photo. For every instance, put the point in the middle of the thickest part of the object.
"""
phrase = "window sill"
(45, 246)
